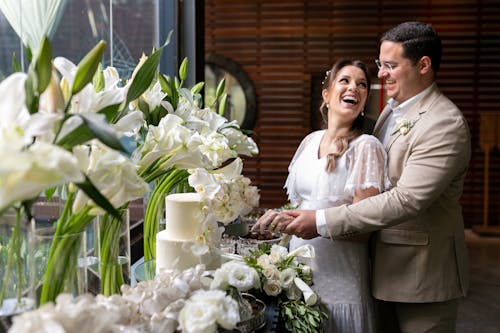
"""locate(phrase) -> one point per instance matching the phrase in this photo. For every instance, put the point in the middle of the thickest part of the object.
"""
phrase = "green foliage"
(87, 67)
(301, 318)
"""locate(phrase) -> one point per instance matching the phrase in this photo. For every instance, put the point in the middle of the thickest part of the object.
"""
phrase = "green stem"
(13, 258)
(62, 261)
(154, 209)
(19, 261)
(111, 271)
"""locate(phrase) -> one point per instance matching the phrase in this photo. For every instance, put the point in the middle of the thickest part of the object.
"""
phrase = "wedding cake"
(183, 243)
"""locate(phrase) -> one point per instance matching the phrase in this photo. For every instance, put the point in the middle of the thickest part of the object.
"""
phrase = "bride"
(332, 167)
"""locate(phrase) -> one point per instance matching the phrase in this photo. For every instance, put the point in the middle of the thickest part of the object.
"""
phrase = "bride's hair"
(342, 143)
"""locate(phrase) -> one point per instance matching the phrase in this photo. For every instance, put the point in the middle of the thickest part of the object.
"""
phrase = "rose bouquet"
(288, 279)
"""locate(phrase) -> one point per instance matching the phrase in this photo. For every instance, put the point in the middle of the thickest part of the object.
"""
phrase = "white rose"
(263, 260)
(270, 272)
(272, 287)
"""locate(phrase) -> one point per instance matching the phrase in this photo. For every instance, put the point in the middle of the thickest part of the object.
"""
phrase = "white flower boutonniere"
(403, 126)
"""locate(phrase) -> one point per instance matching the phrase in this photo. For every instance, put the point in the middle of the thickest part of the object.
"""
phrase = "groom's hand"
(303, 225)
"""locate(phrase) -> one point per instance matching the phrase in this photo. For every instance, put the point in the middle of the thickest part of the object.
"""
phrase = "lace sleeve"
(290, 187)
(366, 165)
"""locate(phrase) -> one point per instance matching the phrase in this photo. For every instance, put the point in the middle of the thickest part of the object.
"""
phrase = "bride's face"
(346, 96)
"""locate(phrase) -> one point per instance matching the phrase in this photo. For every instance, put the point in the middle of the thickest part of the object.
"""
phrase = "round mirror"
(241, 100)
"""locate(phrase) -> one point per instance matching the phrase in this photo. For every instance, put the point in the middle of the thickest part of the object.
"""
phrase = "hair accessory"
(327, 74)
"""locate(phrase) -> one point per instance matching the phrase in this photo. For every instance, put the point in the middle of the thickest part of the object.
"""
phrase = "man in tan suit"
(420, 258)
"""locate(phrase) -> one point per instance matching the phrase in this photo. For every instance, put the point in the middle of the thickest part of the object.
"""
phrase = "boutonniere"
(403, 126)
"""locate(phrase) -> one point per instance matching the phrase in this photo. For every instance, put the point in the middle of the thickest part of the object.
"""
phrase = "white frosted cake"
(184, 225)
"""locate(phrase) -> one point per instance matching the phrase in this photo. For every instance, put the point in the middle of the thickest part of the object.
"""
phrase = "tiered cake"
(184, 224)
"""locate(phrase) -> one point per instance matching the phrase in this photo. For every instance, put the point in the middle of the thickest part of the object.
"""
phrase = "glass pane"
(84, 23)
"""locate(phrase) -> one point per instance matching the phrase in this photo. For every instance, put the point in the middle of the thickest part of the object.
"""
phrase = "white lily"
(166, 140)
(130, 124)
(310, 297)
(239, 142)
(114, 175)
(23, 174)
(304, 251)
(88, 100)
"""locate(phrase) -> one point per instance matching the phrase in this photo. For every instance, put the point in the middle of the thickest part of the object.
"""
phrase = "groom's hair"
(418, 39)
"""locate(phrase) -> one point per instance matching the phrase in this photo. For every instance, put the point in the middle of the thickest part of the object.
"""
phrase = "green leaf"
(165, 86)
(98, 79)
(93, 193)
(197, 88)
(220, 88)
(110, 112)
(90, 128)
(222, 104)
(186, 93)
(16, 66)
(43, 65)
(103, 131)
(87, 67)
(30, 91)
(144, 75)
(49, 192)
(183, 69)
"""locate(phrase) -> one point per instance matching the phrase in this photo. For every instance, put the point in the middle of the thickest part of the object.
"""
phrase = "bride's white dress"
(340, 268)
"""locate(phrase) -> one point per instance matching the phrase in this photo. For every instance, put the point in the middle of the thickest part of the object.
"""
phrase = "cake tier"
(183, 216)
(175, 254)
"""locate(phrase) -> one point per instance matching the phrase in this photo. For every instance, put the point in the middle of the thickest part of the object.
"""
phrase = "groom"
(420, 258)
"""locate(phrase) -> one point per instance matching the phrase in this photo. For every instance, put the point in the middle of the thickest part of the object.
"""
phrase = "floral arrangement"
(403, 126)
(188, 136)
(191, 301)
(286, 277)
(226, 195)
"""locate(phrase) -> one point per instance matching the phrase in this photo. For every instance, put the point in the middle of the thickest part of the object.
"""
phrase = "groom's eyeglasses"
(388, 65)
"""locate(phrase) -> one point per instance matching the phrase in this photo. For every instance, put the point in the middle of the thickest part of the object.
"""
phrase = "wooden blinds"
(284, 44)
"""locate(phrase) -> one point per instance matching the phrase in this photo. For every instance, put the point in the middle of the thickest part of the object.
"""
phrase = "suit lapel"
(415, 112)
(381, 120)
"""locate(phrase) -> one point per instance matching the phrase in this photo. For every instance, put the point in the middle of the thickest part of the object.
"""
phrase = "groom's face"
(401, 77)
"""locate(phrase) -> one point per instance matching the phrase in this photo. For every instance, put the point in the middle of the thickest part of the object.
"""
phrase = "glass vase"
(16, 292)
(59, 263)
(112, 248)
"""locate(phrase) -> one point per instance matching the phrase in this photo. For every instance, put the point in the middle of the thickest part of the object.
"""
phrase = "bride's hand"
(273, 221)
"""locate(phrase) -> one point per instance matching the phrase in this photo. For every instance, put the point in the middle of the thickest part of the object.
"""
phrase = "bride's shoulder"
(366, 141)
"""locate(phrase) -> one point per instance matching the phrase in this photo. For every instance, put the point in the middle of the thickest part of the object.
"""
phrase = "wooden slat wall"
(282, 44)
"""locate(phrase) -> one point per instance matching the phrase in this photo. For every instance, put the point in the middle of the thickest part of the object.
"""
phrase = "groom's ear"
(425, 65)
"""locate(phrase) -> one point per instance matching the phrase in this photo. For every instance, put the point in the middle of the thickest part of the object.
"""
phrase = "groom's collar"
(401, 108)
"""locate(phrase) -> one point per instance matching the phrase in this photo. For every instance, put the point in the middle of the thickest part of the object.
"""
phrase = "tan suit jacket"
(419, 250)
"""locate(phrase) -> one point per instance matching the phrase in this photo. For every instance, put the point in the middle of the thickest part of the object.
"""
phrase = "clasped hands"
(301, 223)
